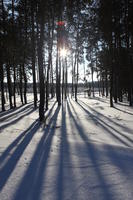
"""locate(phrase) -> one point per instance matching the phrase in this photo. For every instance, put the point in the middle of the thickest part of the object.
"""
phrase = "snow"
(83, 152)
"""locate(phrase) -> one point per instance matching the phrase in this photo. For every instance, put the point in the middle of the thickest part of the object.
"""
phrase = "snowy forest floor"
(84, 152)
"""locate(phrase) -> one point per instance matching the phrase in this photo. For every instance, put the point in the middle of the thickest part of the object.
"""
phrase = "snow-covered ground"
(84, 152)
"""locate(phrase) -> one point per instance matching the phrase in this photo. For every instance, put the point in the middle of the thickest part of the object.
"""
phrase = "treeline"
(46, 38)
(34, 39)
(114, 30)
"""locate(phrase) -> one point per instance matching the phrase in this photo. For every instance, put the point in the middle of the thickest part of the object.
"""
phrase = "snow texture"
(83, 152)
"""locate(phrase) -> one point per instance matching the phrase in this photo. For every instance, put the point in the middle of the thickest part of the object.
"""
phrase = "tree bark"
(33, 55)
(9, 83)
(2, 87)
(21, 83)
(40, 65)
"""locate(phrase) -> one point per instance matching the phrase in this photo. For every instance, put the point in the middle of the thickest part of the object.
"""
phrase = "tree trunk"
(72, 78)
(52, 81)
(14, 86)
(92, 79)
(47, 82)
(115, 89)
(63, 74)
(40, 65)
(76, 77)
(103, 87)
(21, 83)
(106, 83)
(66, 87)
(14, 67)
(59, 83)
(111, 87)
(9, 83)
(33, 55)
(25, 84)
(2, 87)
(50, 46)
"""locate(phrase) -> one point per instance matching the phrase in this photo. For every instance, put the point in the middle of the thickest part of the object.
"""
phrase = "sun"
(63, 52)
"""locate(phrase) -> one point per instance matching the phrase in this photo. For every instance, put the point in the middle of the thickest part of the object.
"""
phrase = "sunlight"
(63, 52)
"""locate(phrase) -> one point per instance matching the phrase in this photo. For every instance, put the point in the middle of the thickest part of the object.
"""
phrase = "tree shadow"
(106, 126)
(15, 111)
(93, 155)
(19, 138)
(124, 104)
(101, 115)
(117, 156)
(64, 156)
(99, 99)
(60, 178)
(122, 159)
(110, 130)
(9, 166)
(31, 184)
(14, 121)
(8, 112)
(124, 111)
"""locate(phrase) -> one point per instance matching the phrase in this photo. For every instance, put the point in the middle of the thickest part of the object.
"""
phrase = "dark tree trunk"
(115, 89)
(33, 55)
(50, 46)
(51, 62)
(59, 83)
(57, 76)
(92, 79)
(111, 87)
(47, 82)
(103, 87)
(25, 84)
(21, 83)
(1, 62)
(63, 74)
(2, 87)
(66, 88)
(9, 83)
(58, 69)
(106, 83)
(14, 67)
(14, 86)
(52, 81)
(72, 92)
(76, 78)
(40, 65)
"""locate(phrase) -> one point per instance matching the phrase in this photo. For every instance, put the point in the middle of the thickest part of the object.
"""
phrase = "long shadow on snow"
(99, 99)
(101, 115)
(64, 156)
(30, 110)
(16, 111)
(117, 156)
(94, 157)
(60, 182)
(108, 146)
(10, 111)
(18, 139)
(122, 158)
(107, 127)
(124, 111)
(9, 166)
(31, 184)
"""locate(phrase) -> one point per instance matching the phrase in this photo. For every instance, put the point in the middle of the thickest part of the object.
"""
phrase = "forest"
(66, 99)
(44, 38)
